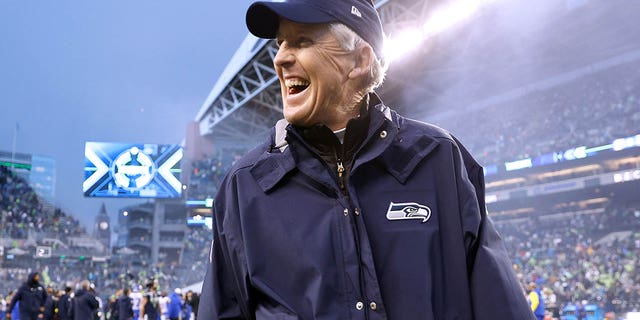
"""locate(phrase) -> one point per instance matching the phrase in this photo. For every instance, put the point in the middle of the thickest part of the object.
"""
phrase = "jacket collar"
(273, 165)
(400, 155)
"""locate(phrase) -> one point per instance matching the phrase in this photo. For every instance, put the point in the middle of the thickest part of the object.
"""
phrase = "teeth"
(296, 83)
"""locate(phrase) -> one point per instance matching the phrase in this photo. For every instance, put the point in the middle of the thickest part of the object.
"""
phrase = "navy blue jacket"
(64, 304)
(125, 308)
(84, 305)
(32, 297)
(49, 308)
(408, 239)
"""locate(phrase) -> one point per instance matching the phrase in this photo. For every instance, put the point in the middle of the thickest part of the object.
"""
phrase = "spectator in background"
(112, 306)
(192, 301)
(99, 312)
(136, 301)
(164, 305)
(124, 306)
(50, 304)
(536, 301)
(64, 304)
(175, 305)
(84, 305)
(32, 297)
(3, 308)
(150, 302)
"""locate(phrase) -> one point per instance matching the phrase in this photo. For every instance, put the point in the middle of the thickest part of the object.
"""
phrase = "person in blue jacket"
(32, 297)
(175, 305)
(349, 210)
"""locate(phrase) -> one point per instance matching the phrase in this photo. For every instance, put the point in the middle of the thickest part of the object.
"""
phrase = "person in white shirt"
(164, 305)
(136, 300)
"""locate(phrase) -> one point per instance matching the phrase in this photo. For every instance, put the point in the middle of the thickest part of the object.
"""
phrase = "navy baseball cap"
(263, 17)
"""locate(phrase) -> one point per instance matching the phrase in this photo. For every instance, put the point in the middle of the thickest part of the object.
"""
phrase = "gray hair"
(349, 40)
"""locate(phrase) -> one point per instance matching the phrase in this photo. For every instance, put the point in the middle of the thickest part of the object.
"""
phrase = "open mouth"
(296, 86)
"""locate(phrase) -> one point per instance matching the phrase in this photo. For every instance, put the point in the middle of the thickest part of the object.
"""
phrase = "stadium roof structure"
(507, 49)
(245, 101)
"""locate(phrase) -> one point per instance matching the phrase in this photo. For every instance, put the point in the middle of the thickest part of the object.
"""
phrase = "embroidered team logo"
(408, 210)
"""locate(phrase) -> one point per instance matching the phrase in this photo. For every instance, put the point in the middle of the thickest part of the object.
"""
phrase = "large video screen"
(132, 170)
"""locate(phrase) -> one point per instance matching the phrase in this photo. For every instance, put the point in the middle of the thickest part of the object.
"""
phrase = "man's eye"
(303, 42)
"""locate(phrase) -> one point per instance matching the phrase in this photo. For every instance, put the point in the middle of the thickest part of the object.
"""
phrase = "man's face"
(314, 76)
(36, 278)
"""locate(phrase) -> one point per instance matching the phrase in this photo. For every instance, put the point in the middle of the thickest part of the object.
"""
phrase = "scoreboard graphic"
(132, 170)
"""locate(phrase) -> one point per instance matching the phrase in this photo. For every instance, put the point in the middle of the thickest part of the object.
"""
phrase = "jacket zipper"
(352, 219)
(340, 170)
(341, 176)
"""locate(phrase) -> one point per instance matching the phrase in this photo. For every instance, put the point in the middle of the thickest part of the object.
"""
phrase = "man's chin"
(294, 119)
(296, 122)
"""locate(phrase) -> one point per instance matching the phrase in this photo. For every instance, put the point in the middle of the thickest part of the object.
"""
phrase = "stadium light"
(446, 17)
(404, 43)
(440, 20)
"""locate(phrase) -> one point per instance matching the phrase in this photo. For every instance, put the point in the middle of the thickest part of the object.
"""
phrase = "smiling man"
(349, 210)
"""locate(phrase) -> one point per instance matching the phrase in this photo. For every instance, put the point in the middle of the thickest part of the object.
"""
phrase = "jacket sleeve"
(16, 297)
(44, 296)
(72, 306)
(495, 290)
(225, 290)
(93, 302)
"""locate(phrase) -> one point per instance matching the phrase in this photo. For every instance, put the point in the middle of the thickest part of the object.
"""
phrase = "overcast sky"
(122, 71)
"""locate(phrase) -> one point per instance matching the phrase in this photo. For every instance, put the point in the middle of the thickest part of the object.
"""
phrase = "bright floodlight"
(403, 43)
(442, 19)
(450, 15)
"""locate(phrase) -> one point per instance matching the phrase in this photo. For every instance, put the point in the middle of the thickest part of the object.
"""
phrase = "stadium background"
(545, 96)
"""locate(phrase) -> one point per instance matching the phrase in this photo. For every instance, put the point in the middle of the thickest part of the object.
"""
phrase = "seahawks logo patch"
(408, 210)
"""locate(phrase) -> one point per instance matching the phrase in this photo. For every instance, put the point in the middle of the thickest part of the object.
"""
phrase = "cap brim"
(263, 18)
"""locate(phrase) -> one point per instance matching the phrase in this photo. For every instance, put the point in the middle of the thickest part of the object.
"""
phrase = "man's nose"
(284, 57)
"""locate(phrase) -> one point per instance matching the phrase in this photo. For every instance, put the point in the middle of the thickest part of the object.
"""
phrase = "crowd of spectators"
(22, 211)
(25, 218)
(196, 254)
(207, 174)
(588, 256)
(588, 110)
(123, 303)
(28, 221)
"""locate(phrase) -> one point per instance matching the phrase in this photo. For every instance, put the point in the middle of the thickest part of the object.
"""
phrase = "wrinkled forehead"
(288, 29)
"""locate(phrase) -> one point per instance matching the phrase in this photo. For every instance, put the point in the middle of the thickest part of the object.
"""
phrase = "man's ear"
(364, 57)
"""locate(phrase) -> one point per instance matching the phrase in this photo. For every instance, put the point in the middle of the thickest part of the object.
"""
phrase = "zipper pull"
(340, 169)
(341, 175)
